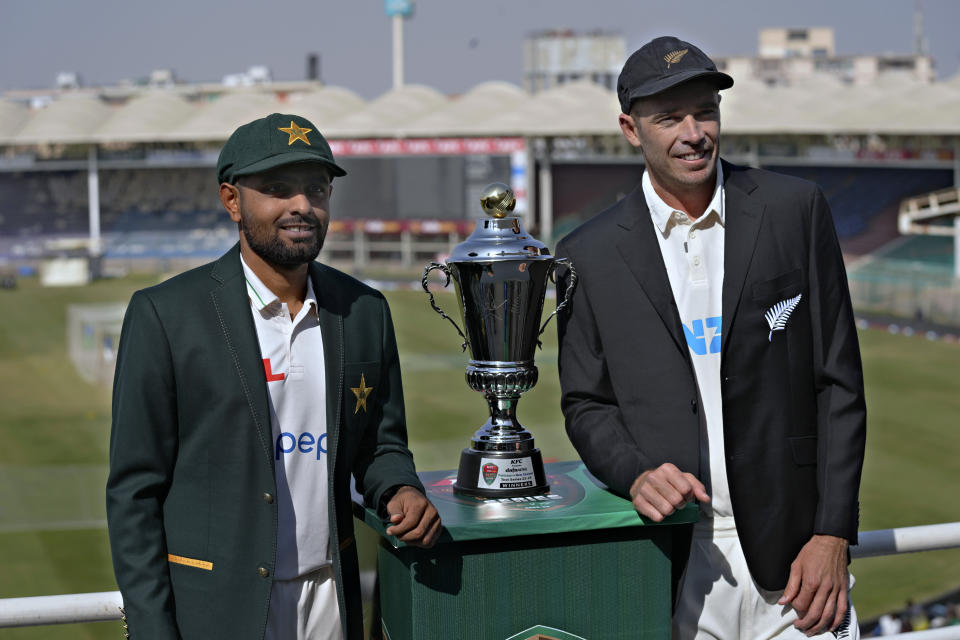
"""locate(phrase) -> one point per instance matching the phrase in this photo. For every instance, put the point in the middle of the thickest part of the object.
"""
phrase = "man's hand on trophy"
(659, 492)
(414, 520)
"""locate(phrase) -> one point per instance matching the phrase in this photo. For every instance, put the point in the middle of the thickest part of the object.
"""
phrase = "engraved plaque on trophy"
(500, 274)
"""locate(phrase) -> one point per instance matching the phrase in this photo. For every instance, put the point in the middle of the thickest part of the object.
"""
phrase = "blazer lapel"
(639, 249)
(233, 313)
(331, 328)
(743, 215)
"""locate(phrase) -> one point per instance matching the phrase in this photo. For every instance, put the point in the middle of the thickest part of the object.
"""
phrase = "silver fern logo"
(779, 313)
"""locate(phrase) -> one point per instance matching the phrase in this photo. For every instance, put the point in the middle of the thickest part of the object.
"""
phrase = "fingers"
(699, 491)
(417, 523)
(804, 602)
(433, 534)
(659, 492)
(820, 605)
(406, 519)
(819, 613)
(817, 587)
(841, 612)
(793, 586)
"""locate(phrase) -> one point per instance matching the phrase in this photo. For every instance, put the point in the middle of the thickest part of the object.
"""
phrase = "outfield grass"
(54, 429)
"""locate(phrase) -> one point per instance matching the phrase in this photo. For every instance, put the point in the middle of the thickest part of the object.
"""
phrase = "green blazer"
(190, 494)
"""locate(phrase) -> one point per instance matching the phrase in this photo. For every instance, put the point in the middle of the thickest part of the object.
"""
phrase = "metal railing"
(104, 606)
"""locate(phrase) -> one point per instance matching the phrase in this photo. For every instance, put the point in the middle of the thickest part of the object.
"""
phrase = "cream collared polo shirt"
(292, 353)
(693, 254)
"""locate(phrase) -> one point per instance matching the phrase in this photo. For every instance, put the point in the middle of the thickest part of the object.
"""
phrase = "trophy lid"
(499, 236)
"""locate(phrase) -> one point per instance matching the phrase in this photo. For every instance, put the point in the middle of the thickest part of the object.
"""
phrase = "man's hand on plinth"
(659, 492)
(414, 520)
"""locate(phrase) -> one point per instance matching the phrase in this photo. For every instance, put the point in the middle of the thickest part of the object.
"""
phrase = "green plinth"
(577, 563)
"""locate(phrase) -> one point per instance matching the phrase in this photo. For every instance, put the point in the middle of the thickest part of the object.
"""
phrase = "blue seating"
(857, 195)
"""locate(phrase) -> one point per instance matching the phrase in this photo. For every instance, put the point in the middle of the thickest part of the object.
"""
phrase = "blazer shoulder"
(345, 283)
(772, 183)
(348, 296)
(184, 285)
(599, 230)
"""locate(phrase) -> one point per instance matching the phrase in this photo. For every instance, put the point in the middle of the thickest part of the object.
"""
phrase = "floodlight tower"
(398, 10)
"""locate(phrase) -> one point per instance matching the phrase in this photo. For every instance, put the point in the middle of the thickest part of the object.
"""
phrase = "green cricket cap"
(273, 141)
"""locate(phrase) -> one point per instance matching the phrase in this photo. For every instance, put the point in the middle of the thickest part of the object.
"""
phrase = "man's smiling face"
(679, 133)
(285, 212)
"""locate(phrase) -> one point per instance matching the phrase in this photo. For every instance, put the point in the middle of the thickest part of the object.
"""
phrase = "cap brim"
(722, 80)
(291, 157)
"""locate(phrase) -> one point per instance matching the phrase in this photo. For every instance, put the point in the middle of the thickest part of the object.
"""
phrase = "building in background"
(552, 58)
(793, 55)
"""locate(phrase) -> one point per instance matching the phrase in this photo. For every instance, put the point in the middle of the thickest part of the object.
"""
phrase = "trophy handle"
(566, 296)
(433, 303)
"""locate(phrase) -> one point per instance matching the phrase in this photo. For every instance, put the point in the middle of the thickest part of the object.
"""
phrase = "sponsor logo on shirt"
(702, 341)
(304, 443)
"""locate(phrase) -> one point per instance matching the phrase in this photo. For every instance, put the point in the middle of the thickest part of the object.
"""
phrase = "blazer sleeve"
(593, 419)
(383, 458)
(838, 379)
(143, 447)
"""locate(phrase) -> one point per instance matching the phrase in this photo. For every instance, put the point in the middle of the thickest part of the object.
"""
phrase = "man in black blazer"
(710, 354)
(247, 392)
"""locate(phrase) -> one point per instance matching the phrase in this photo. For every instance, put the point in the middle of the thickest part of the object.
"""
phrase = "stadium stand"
(858, 194)
(53, 202)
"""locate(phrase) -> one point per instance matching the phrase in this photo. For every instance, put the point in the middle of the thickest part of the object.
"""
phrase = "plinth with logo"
(577, 562)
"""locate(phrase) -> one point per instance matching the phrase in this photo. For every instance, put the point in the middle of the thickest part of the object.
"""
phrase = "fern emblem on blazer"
(674, 56)
(779, 313)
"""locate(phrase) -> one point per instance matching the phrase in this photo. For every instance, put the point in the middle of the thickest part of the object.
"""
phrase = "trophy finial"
(497, 200)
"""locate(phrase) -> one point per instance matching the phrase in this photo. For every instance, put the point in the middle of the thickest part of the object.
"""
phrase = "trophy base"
(501, 474)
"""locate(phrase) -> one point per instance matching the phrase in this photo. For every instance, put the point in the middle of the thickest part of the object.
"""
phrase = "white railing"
(103, 606)
(93, 607)
(888, 542)
(74, 607)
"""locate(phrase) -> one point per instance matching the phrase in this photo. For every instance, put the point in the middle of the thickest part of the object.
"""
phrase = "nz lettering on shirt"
(704, 335)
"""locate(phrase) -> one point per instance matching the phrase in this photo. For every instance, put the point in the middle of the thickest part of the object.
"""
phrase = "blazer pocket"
(786, 285)
(206, 565)
(804, 449)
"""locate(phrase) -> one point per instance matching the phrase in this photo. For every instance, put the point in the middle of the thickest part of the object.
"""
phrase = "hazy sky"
(451, 45)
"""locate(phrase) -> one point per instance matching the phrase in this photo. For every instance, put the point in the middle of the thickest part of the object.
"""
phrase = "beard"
(266, 242)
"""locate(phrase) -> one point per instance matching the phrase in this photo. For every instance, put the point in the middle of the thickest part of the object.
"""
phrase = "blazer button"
(268, 498)
(263, 572)
(693, 405)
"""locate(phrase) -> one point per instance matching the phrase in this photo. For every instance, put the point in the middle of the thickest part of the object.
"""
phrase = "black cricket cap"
(664, 63)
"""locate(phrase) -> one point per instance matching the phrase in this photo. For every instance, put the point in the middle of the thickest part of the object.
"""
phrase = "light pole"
(397, 10)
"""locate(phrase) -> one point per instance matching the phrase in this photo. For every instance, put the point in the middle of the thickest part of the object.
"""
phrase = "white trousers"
(304, 608)
(720, 601)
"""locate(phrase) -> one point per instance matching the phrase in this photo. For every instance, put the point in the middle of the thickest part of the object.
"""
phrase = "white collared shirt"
(292, 352)
(693, 255)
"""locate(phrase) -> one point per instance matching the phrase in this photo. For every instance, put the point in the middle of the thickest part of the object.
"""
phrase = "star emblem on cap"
(362, 392)
(296, 132)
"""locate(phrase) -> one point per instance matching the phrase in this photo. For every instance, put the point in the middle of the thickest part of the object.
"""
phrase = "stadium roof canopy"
(817, 106)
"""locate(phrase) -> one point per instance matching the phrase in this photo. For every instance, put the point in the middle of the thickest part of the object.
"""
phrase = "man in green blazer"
(247, 391)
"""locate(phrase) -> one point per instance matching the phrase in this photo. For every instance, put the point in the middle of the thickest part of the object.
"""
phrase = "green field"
(54, 429)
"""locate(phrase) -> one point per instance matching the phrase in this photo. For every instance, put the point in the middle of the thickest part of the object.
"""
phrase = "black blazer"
(793, 407)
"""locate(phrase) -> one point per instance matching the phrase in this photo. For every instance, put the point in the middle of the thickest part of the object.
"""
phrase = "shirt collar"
(261, 297)
(662, 213)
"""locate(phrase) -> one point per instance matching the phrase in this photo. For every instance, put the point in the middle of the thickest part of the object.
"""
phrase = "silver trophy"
(500, 274)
